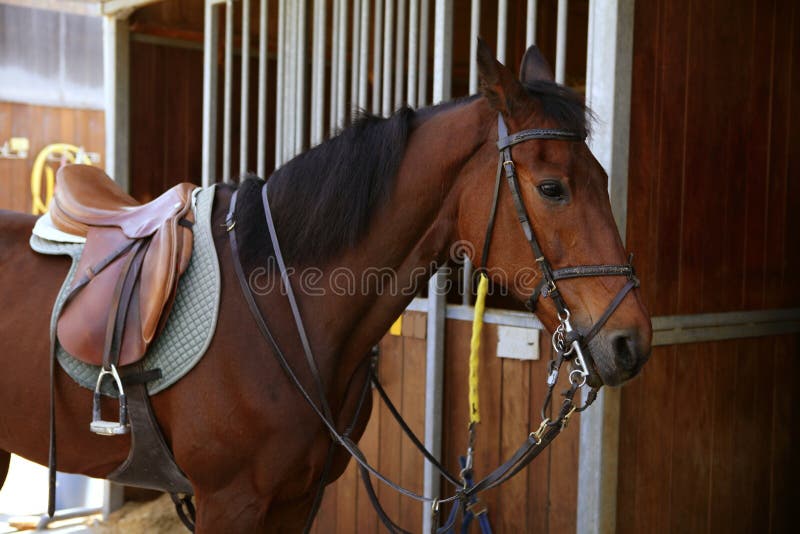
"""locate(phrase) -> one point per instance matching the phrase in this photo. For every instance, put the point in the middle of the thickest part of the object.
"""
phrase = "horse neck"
(409, 236)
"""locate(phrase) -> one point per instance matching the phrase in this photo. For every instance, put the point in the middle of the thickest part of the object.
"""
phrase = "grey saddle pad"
(191, 323)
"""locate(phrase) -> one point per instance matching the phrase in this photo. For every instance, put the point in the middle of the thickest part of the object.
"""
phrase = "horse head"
(563, 191)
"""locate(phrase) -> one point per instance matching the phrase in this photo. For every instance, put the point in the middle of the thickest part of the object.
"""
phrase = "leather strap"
(150, 463)
(298, 320)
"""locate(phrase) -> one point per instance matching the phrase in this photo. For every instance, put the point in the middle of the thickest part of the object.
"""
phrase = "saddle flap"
(83, 322)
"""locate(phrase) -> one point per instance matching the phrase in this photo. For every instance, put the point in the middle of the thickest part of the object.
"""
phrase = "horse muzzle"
(617, 356)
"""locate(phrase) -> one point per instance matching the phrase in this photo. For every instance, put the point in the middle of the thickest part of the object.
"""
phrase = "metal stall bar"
(290, 76)
(279, 84)
(210, 45)
(228, 93)
(561, 41)
(422, 86)
(413, 45)
(116, 93)
(341, 70)
(334, 120)
(530, 24)
(355, 58)
(399, 56)
(245, 101)
(377, 60)
(363, 58)
(261, 149)
(300, 80)
(608, 93)
(318, 73)
(388, 29)
(434, 364)
(502, 30)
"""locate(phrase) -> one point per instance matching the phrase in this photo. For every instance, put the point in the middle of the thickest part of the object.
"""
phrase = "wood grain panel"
(42, 125)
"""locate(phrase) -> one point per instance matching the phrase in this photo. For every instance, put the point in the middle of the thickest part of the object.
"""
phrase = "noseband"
(566, 340)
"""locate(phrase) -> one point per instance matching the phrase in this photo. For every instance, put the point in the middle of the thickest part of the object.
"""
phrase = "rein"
(566, 342)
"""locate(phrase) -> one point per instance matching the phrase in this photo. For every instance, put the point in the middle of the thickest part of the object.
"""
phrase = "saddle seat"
(128, 273)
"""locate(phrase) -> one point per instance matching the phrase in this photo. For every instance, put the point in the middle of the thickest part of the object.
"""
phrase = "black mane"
(323, 199)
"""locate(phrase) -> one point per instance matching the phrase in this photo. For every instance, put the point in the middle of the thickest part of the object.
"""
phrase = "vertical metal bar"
(341, 82)
(261, 149)
(355, 57)
(422, 86)
(318, 73)
(442, 68)
(279, 89)
(245, 101)
(290, 76)
(116, 92)
(502, 30)
(608, 92)
(363, 56)
(334, 110)
(290, 119)
(530, 24)
(388, 35)
(474, 32)
(561, 41)
(413, 46)
(400, 50)
(300, 86)
(228, 93)
(377, 60)
(443, 51)
(210, 45)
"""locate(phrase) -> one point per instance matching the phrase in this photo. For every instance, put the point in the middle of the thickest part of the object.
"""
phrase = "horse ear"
(534, 66)
(497, 83)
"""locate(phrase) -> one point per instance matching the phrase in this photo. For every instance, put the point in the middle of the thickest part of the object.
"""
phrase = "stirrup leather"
(109, 428)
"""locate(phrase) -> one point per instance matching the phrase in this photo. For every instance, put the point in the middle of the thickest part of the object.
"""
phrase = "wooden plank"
(538, 474)
(366, 519)
(784, 468)
(722, 516)
(514, 428)
(390, 371)
(413, 411)
(643, 213)
(649, 509)
(672, 61)
(753, 406)
(690, 470)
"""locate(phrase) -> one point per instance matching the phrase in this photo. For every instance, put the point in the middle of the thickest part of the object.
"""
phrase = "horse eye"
(552, 190)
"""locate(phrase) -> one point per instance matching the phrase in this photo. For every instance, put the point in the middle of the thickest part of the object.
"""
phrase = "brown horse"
(390, 194)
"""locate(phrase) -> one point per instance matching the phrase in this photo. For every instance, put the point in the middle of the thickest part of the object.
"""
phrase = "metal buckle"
(109, 428)
(539, 432)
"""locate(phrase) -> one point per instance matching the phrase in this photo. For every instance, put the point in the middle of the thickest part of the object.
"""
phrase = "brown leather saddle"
(127, 277)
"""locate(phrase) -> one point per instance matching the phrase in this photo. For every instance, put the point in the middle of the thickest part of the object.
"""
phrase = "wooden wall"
(541, 499)
(710, 430)
(42, 125)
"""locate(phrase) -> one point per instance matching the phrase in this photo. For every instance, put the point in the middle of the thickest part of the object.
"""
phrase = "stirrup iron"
(109, 428)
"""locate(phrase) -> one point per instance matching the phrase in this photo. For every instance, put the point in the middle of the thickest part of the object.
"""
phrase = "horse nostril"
(625, 351)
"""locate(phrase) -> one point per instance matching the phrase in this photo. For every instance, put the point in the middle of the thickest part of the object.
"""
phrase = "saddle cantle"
(128, 273)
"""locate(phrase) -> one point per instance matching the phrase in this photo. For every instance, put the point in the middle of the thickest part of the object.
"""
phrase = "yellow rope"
(474, 349)
(68, 152)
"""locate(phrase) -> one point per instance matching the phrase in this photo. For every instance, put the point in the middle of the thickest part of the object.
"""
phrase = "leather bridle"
(565, 337)
(566, 341)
